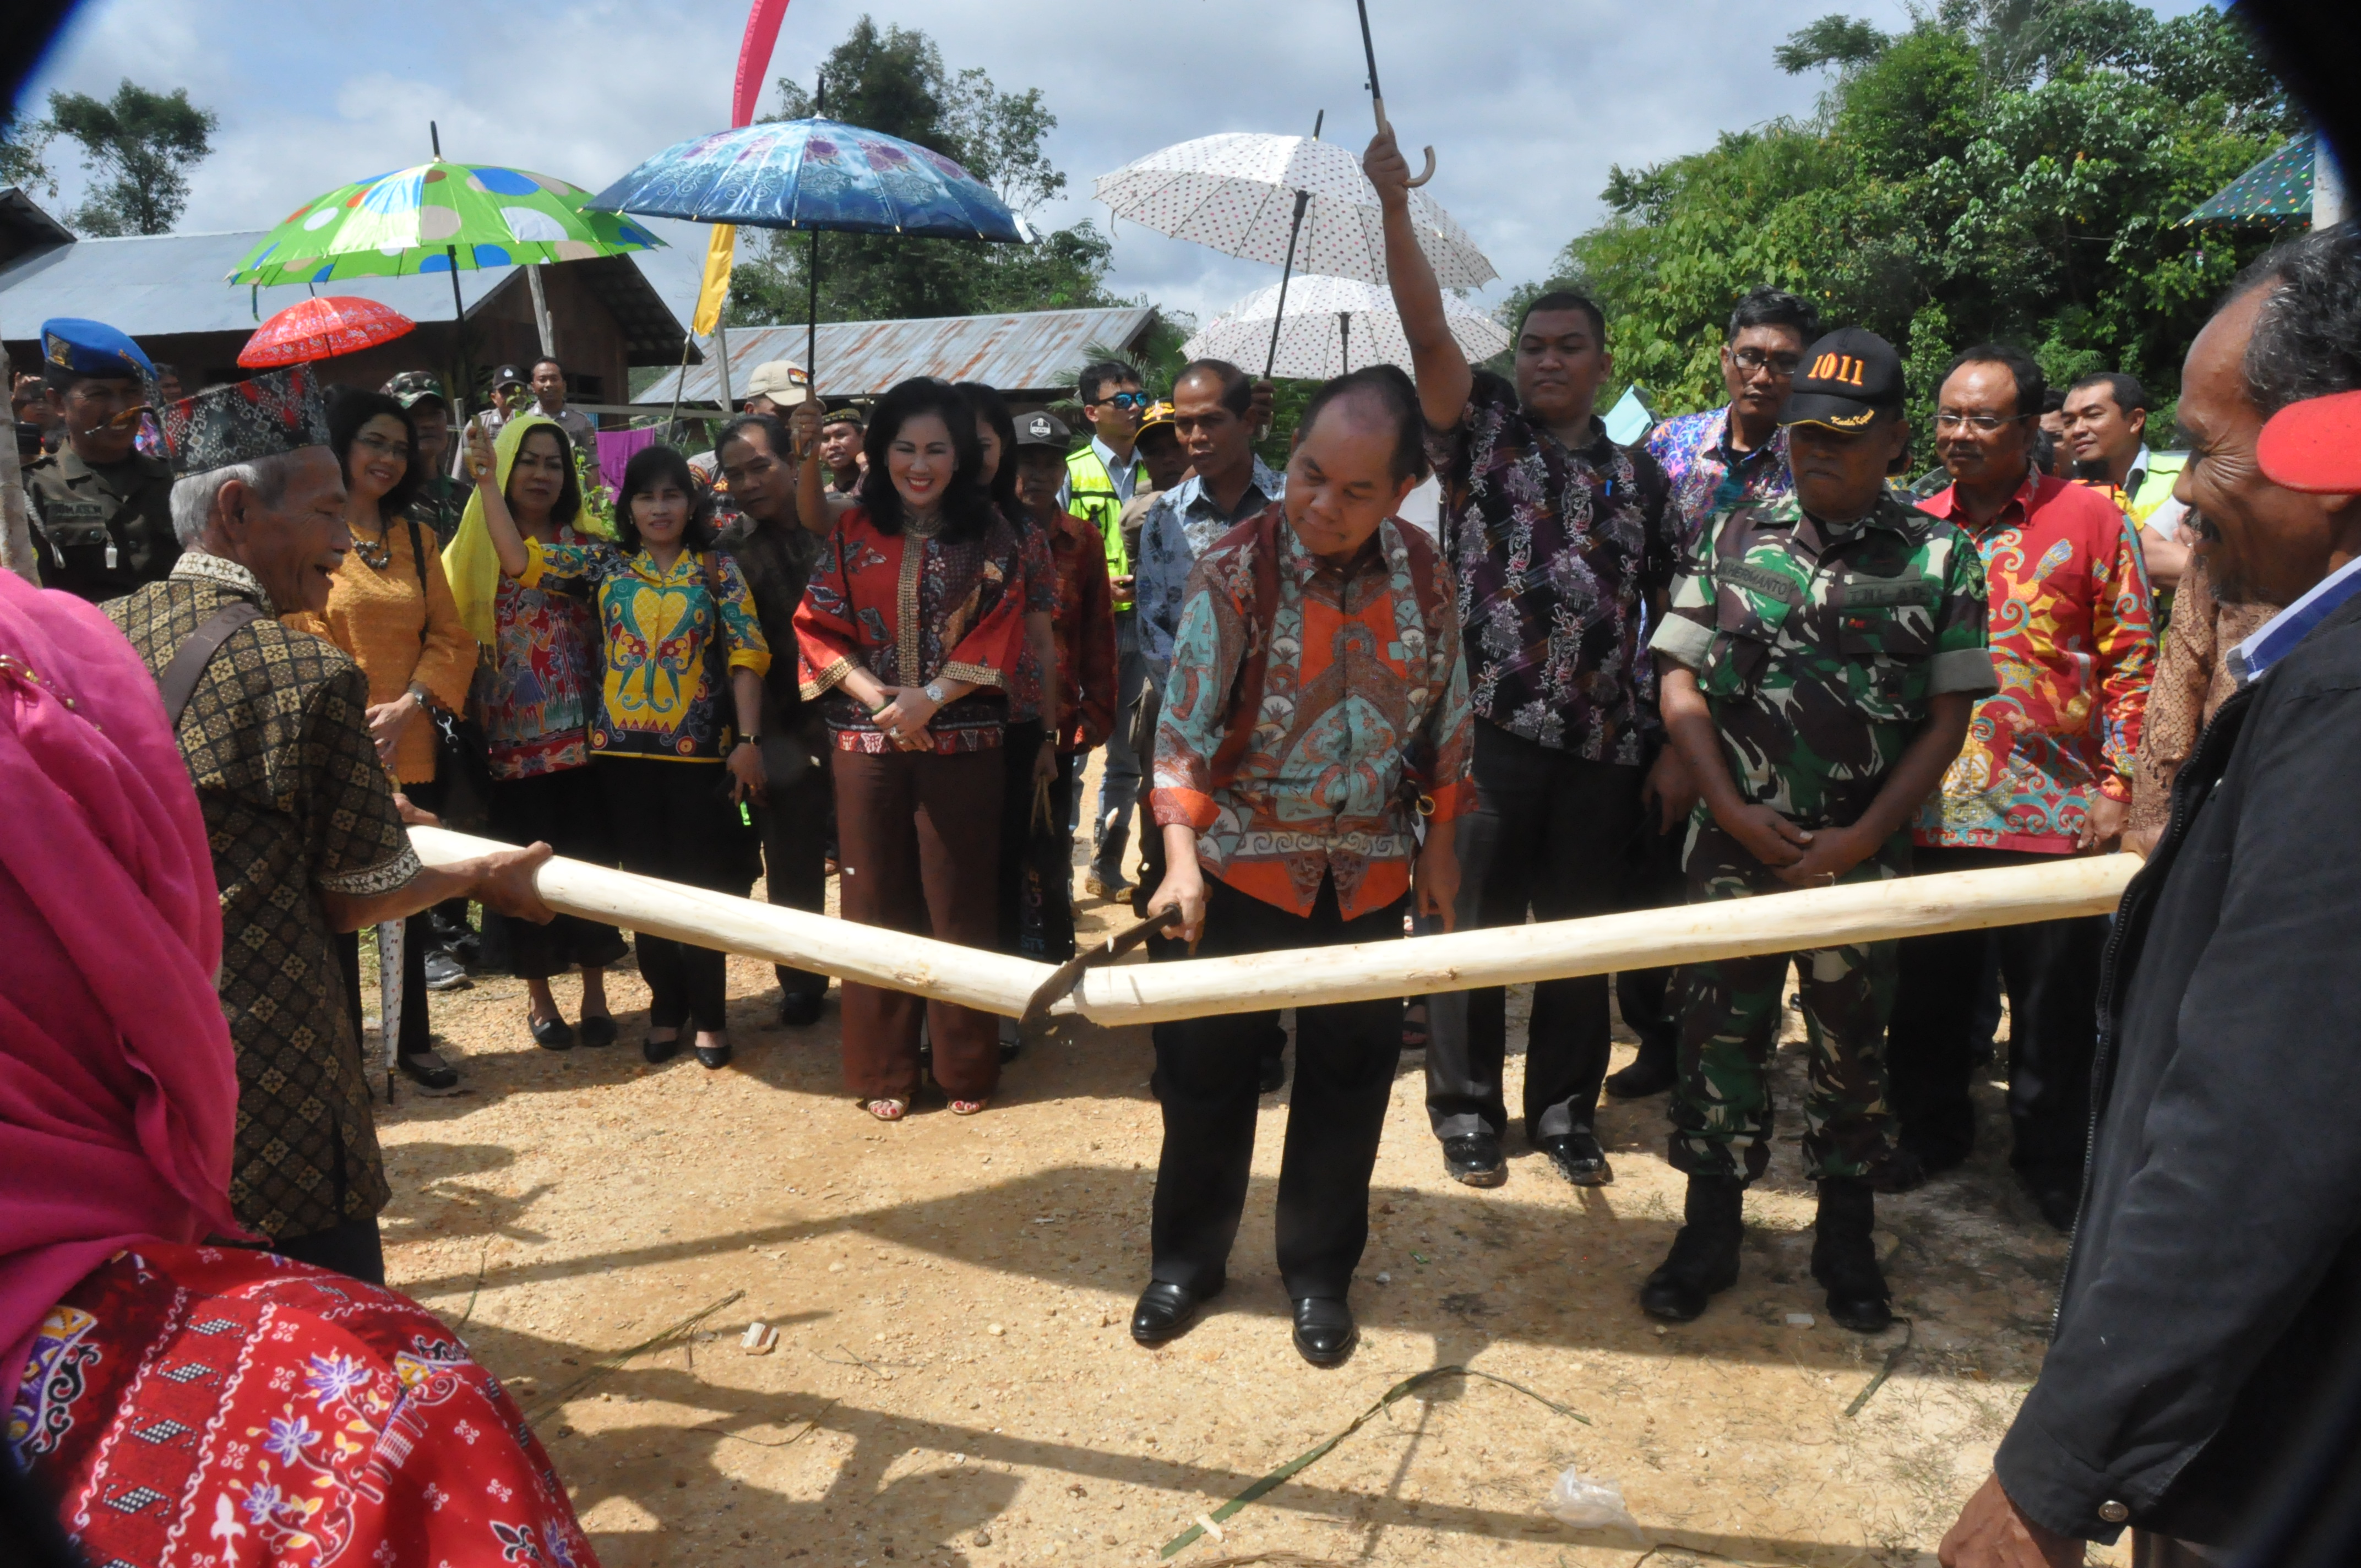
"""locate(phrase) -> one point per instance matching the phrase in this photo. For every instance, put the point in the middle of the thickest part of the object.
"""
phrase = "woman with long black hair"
(677, 729)
(910, 628)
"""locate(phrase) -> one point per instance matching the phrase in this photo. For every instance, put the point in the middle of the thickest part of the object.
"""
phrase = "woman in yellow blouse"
(390, 607)
(677, 735)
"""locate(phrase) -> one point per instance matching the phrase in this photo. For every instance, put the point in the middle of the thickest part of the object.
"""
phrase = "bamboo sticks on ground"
(1145, 994)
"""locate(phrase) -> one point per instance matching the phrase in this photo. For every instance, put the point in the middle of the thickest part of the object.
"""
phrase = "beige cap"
(783, 381)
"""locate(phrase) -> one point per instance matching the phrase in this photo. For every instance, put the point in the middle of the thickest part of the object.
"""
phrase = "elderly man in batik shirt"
(1557, 541)
(1316, 709)
(307, 835)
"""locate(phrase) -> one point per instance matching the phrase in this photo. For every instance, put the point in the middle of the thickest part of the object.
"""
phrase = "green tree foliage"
(2003, 169)
(893, 79)
(138, 147)
(21, 145)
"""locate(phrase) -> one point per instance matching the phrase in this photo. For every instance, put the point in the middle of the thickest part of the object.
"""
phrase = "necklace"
(377, 557)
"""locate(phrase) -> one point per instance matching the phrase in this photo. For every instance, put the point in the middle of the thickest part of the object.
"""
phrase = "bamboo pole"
(870, 953)
(1147, 993)
(1788, 922)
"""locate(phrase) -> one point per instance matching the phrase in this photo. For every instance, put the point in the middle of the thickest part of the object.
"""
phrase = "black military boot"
(1704, 1258)
(1844, 1255)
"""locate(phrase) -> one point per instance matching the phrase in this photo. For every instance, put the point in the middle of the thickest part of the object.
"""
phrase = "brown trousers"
(918, 850)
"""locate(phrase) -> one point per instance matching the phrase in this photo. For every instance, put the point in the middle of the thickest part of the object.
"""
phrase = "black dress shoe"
(1165, 1310)
(800, 1009)
(714, 1056)
(598, 1031)
(1578, 1158)
(1475, 1159)
(1651, 1073)
(428, 1071)
(1324, 1331)
(552, 1034)
(657, 1050)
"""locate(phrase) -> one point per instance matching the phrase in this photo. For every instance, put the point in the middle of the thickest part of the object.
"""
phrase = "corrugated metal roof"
(154, 285)
(174, 282)
(1034, 351)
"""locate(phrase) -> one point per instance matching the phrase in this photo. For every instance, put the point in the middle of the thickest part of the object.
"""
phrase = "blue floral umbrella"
(811, 175)
(814, 174)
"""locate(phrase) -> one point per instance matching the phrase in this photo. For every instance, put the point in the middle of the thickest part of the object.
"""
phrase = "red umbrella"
(322, 329)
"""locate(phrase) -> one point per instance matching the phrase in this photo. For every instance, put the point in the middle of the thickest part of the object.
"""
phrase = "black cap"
(1043, 430)
(1847, 379)
(509, 375)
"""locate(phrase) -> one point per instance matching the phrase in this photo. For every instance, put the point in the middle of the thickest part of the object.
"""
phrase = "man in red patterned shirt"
(1315, 712)
(2046, 770)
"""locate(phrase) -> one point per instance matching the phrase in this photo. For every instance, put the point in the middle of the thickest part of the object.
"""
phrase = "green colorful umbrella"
(2277, 189)
(438, 217)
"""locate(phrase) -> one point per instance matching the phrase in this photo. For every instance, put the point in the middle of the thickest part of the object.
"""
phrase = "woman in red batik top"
(910, 627)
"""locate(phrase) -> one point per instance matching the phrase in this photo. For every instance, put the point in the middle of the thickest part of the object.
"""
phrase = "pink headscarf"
(118, 1094)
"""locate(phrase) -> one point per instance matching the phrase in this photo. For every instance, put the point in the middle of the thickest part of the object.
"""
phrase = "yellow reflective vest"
(1090, 493)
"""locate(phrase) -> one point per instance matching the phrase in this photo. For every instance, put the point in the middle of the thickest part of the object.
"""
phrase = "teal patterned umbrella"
(2274, 191)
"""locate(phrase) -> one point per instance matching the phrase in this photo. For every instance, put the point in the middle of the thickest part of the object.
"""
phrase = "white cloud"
(1528, 104)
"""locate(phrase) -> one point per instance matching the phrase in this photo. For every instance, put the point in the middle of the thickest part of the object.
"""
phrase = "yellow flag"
(718, 257)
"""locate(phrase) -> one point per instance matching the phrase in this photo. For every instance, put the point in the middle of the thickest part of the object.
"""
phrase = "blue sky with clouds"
(1528, 102)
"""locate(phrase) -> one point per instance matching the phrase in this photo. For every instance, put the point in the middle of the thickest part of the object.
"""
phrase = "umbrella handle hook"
(1424, 174)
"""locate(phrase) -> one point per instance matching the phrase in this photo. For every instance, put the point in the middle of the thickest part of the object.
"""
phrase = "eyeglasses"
(1752, 359)
(381, 447)
(1982, 424)
(1130, 401)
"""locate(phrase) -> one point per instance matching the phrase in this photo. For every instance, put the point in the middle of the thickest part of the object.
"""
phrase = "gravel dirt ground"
(952, 1381)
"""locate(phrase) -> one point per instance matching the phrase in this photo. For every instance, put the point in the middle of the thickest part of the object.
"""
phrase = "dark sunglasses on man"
(1130, 401)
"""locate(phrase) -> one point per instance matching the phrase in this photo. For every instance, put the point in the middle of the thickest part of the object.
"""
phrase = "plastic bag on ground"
(1585, 1502)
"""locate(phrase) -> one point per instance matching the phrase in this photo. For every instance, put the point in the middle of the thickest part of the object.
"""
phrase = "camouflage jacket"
(1817, 648)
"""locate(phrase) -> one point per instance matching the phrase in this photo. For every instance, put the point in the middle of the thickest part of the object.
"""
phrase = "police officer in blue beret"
(102, 509)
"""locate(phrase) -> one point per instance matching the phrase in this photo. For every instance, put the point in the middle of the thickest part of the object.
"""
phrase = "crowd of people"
(1742, 655)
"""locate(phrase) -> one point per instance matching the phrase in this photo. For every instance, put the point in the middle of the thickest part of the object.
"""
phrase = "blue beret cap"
(80, 347)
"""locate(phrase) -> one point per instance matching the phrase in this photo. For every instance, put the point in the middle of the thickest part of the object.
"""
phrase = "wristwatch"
(934, 690)
(751, 738)
(420, 695)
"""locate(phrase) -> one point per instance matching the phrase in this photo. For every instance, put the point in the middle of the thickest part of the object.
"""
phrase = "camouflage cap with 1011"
(412, 388)
(1847, 379)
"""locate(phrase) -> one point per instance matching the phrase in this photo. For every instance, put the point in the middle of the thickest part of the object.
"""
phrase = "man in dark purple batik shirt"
(1559, 542)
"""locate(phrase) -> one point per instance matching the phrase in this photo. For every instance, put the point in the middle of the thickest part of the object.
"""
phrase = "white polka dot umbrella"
(1333, 325)
(1236, 193)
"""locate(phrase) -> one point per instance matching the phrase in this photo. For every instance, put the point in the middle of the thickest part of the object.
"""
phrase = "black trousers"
(1650, 1007)
(675, 820)
(353, 1249)
(1551, 833)
(566, 811)
(2051, 970)
(1207, 1070)
(1045, 849)
(794, 826)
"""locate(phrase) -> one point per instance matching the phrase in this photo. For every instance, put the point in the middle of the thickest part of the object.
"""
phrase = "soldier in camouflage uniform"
(1820, 661)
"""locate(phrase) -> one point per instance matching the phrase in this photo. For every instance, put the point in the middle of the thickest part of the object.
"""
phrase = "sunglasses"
(1130, 401)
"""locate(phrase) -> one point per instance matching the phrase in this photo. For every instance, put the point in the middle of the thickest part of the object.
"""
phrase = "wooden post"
(1147, 993)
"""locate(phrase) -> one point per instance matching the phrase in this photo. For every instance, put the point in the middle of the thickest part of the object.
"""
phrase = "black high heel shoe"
(657, 1050)
(714, 1056)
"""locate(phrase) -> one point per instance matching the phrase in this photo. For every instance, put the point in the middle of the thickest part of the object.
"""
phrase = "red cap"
(2314, 445)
